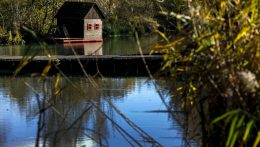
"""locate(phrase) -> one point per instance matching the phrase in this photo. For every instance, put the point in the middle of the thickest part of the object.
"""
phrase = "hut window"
(89, 27)
(96, 26)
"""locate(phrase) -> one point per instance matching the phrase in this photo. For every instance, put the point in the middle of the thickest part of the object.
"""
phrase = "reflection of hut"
(80, 21)
(91, 48)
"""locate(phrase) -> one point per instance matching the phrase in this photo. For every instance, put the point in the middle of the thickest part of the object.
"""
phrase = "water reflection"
(128, 45)
(94, 48)
(78, 115)
(59, 49)
(110, 46)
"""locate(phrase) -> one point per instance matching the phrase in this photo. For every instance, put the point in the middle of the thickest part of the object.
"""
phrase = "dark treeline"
(37, 15)
(123, 17)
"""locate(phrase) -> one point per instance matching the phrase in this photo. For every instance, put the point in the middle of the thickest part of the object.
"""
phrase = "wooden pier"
(75, 40)
(72, 65)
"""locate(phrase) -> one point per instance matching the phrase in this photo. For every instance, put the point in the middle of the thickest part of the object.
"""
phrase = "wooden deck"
(76, 40)
(105, 65)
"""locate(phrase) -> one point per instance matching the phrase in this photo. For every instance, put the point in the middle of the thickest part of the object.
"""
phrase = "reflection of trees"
(61, 123)
(2, 134)
(117, 88)
(128, 45)
(19, 93)
(71, 104)
(187, 119)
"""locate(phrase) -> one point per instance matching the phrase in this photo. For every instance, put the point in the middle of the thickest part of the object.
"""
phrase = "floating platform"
(93, 65)
(72, 40)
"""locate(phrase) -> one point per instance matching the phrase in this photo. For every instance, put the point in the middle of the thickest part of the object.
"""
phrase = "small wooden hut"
(80, 21)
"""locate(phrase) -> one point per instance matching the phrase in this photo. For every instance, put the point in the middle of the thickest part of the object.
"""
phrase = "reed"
(219, 48)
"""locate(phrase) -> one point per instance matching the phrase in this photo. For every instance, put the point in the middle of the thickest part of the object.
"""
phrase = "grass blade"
(257, 141)
(248, 128)
(224, 116)
(231, 134)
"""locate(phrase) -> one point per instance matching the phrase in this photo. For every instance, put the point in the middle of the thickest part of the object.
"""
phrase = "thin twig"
(134, 126)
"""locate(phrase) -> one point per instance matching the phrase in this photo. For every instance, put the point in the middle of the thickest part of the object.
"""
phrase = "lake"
(136, 98)
(77, 111)
(110, 46)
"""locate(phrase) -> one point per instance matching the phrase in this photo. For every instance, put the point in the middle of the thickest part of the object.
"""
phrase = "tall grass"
(218, 47)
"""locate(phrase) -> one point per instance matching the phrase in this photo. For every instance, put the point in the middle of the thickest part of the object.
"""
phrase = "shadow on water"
(72, 120)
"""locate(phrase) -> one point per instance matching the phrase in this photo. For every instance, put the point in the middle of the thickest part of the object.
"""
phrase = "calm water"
(110, 46)
(72, 120)
(81, 112)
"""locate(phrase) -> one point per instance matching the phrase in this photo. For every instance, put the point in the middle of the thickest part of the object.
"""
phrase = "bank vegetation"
(214, 62)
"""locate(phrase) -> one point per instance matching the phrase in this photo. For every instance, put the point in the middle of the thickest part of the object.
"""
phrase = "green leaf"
(227, 120)
(234, 138)
(248, 128)
(241, 121)
(224, 116)
(231, 131)
(235, 135)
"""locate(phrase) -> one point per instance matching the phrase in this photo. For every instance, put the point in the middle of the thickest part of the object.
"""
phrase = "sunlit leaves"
(22, 64)
(162, 35)
(192, 87)
(56, 89)
(169, 44)
(257, 141)
(180, 88)
(242, 33)
(47, 68)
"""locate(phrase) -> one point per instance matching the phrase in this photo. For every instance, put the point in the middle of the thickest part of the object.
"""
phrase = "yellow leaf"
(56, 85)
(192, 87)
(47, 68)
(242, 33)
(245, 63)
(180, 69)
(183, 104)
(223, 5)
(257, 141)
(162, 35)
(179, 89)
(23, 63)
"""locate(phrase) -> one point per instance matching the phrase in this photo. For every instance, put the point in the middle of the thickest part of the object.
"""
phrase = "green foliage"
(18, 39)
(37, 15)
(3, 34)
(217, 50)
(123, 17)
(237, 132)
(117, 28)
(10, 38)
